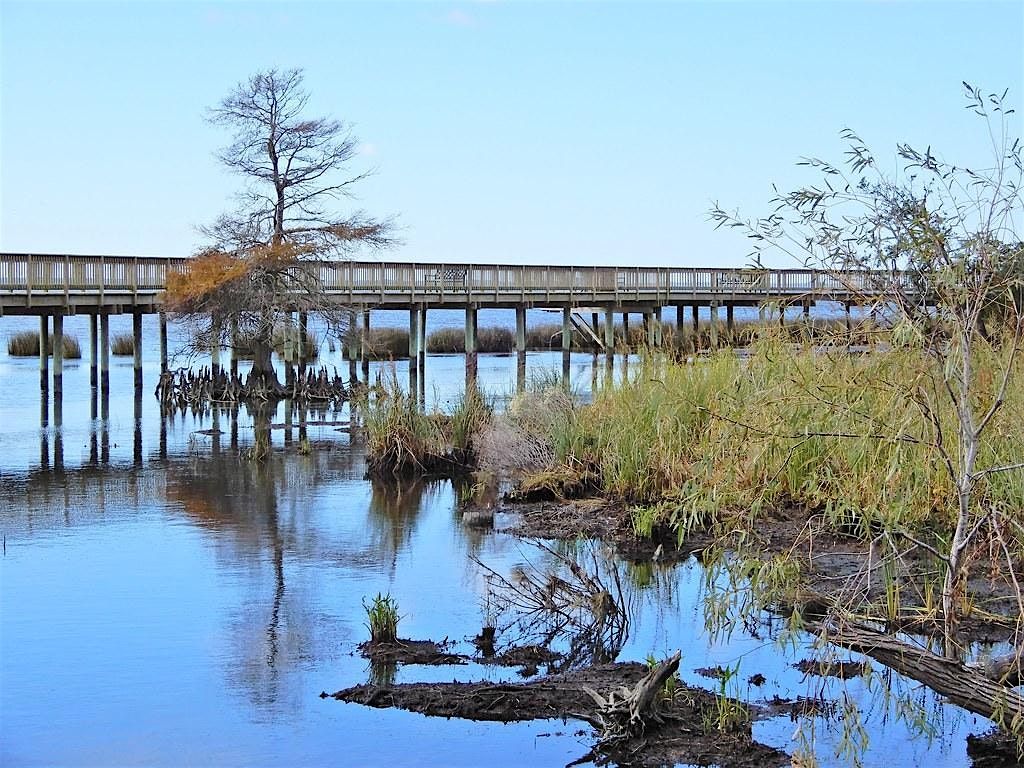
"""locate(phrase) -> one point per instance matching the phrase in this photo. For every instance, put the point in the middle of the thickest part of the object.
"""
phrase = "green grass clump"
(720, 441)
(453, 340)
(388, 343)
(402, 438)
(26, 344)
(382, 619)
(122, 345)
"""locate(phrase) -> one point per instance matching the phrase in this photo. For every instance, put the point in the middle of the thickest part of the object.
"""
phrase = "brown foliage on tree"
(264, 261)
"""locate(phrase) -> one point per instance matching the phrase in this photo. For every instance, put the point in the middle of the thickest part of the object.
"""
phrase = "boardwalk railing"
(32, 275)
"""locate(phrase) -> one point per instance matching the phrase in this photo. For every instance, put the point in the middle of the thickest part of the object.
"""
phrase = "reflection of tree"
(572, 600)
(253, 508)
(395, 504)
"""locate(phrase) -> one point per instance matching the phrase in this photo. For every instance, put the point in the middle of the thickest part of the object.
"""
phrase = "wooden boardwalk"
(53, 286)
(42, 284)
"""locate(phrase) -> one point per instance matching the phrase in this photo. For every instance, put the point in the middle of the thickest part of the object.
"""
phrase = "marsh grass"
(402, 438)
(382, 619)
(705, 444)
(26, 344)
(488, 340)
(387, 343)
(122, 345)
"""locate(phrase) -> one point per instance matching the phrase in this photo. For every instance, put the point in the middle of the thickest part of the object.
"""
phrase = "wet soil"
(993, 750)
(689, 734)
(402, 651)
(842, 670)
(828, 560)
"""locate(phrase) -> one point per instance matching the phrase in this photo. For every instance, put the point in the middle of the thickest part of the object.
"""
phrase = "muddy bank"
(827, 560)
(699, 728)
(403, 651)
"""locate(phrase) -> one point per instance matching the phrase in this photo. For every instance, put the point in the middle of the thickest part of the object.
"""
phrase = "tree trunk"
(263, 366)
(970, 687)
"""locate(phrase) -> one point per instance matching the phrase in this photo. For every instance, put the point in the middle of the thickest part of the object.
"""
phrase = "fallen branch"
(975, 688)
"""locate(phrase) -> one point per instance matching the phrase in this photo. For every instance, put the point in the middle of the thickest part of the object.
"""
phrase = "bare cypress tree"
(263, 261)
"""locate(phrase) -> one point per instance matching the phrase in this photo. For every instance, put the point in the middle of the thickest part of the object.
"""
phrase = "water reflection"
(268, 563)
(395, 504)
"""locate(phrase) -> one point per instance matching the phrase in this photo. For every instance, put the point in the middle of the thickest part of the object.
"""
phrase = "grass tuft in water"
(382, 619)
(26, 344)
(122, 345)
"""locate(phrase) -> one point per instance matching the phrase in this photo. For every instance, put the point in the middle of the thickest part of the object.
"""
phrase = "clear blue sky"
(500, 131)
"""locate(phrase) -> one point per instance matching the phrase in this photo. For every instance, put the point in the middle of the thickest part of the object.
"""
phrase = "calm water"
(163, 602)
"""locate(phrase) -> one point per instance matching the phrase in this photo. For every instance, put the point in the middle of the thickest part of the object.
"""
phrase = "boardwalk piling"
(414, 352)
(163, 343)
(471, 360)
(104, 354)
(137, 337)
(304, 351)
(520, 347)
(609, 332)
(215, 350)
(364, 346)
(58, 356)
(44, 353)
(421, 346)
(566, 343)
(234, 348)
(93, 352)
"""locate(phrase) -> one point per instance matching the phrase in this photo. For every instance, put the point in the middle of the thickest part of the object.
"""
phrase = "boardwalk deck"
(40, 284)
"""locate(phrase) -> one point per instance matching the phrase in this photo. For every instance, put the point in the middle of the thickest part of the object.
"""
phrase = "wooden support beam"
(163, 343)
(364, 347)
(94, 353)
(422, 347)
(471, 359)
(44, 355)
(137, 352)
(414, 351)
(58, 355)
(104, 355)
(215, 349)
(234, 347)
(304, 351)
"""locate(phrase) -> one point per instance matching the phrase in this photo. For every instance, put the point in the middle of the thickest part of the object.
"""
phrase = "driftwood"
(686, 737)
(1008, 669)
(976, 688)
(629, 713)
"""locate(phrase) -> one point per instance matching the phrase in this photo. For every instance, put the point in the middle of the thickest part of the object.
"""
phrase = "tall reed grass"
(692, 444)
(453, 340)
(26, 344)
(402, 438)
(122, 345)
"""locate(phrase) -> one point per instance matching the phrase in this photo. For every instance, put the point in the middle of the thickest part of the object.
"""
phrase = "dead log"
(629, 714)
(1006, 669)
(967, 686)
